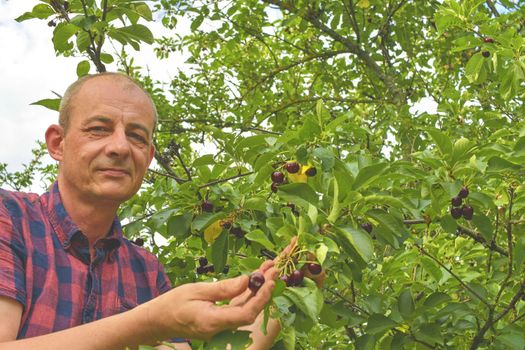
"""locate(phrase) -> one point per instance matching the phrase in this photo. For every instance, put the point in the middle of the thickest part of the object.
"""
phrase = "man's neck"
(94, 219)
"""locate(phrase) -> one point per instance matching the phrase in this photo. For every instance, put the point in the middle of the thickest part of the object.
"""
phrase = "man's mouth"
(115, 172)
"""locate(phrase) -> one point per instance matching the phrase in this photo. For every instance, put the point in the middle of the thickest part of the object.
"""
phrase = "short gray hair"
(65, 103)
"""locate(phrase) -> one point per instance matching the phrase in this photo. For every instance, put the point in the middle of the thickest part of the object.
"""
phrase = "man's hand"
(190, 310)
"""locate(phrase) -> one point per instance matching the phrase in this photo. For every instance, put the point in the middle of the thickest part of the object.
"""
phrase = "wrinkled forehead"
(112, 94)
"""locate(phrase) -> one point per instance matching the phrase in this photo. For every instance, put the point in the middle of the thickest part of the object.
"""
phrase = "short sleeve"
(12, 256)
(163, 282)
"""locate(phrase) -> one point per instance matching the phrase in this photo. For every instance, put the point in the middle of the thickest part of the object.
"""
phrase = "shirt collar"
(67, 231)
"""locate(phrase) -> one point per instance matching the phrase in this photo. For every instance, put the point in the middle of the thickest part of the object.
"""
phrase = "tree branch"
(492, 8)
(225, 180)
(278, 70)
(472, 291)
(397, 94)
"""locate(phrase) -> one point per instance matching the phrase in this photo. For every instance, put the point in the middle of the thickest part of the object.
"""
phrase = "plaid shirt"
(45, 265)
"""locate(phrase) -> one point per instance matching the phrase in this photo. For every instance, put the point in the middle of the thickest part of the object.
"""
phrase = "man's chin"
(116, 193)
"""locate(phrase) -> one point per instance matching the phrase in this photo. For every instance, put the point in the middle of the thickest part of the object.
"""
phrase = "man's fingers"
(266, 265)
(221, 290)
(289, 247)
(244, 314)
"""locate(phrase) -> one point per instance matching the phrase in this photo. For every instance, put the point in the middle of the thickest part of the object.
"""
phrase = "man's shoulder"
(16, 200)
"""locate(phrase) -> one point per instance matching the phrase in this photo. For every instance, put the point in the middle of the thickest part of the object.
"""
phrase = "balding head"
(69, 100)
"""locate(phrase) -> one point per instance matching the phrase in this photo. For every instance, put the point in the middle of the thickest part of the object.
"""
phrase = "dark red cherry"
(456, 212)
(314, 268)
(203, 261)
(256, 281)
(456, 201)
(468, 212)
(292, 167)
(277, 177)
(463, 193)
(312, 171)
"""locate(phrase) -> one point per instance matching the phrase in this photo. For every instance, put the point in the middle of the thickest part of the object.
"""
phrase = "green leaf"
(497, 165)
(83, 41)
(405, 304)
(106, 58)
(61, 35)
(144, 11)
(336, 206)
(51, 103)
(196, 23)
(160, 218)
(436, 299)
(206, 159)
(442, 141)
(378, 323)
(430, 333)
(255, 203)
(234, 340)
(289, 338)
(298, 193)
(250, 264)
(474, 66)
(136, 32)
(308, 299)
(432, 268)
(356, 240)
(82, 68)
(368, 174)
(309, 130)
(389, 222)
(219, 251)
(484, 225)
(179, 225)
(40, 11)
(326, 156)
(203, 220)
(259, 237)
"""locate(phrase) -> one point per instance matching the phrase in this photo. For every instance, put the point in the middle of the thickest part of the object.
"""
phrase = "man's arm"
(188, 311)
(10, 317)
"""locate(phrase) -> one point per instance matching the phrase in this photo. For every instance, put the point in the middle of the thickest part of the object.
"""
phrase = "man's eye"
(138, 137)
(98, 129)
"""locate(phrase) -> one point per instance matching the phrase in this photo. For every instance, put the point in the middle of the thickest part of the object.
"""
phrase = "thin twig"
(422, 250)
(215, 182)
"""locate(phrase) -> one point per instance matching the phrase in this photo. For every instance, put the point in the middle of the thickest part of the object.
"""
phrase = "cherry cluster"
(296, 277)
(234, 230)
(458, 210)
(204, 267)
(278, 177)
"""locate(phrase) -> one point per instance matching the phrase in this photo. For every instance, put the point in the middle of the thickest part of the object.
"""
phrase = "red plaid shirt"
(45, 265)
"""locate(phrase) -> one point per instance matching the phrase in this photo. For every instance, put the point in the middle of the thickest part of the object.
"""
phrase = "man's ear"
(151, 153)
(55, 141)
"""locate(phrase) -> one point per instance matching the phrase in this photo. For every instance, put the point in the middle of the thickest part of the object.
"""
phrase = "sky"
(30, 71)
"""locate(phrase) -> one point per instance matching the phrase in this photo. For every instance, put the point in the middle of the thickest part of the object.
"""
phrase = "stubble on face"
(107, 148)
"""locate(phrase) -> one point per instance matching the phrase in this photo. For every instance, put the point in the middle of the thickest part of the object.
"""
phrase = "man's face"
(107, 147)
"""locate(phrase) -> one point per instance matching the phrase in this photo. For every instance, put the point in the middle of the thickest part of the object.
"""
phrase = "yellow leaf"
(298, 177)
(213, 231)
(363, 4)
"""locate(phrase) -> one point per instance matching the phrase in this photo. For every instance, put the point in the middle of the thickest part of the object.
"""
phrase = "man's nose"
(118, 144)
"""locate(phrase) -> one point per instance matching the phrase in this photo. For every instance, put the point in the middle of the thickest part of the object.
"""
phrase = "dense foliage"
(339, 86)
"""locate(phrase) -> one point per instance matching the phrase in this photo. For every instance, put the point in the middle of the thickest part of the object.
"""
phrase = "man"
(68, 279)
